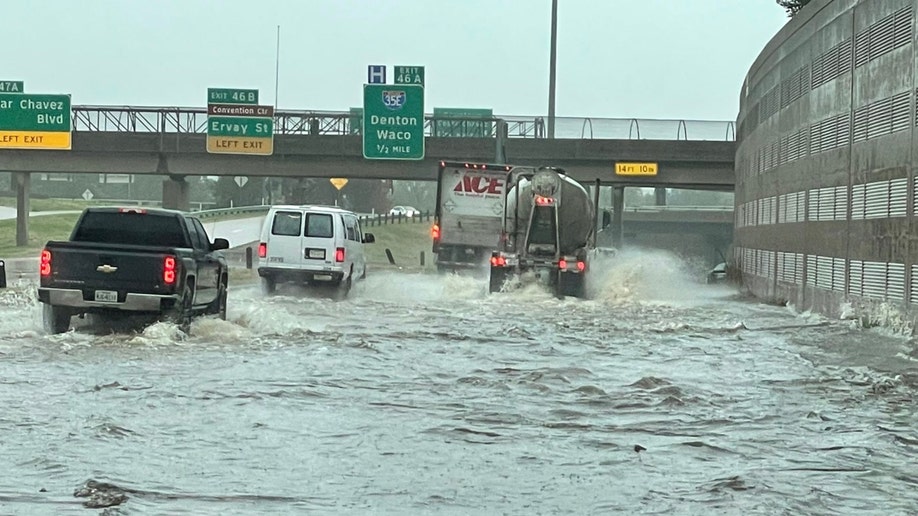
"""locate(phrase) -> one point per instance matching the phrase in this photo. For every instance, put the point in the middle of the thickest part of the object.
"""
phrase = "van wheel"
(268, 286)
(56, 319)
(343, 288)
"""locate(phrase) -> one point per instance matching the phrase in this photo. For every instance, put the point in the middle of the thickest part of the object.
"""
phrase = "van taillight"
(262, 250)
(435, 232)
(45, 269)
(169, 270)
(339, 254)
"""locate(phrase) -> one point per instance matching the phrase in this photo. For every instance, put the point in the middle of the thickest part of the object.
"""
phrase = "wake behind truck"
(548, 231)
(468, 214)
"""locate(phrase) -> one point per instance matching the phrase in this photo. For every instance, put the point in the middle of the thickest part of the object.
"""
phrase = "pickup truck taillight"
(262, 250)
(45, 268)
(169, 270)
(339, 254)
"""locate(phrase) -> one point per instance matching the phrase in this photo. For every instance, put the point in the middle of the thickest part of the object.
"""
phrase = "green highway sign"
(236, 124)
(409, 75)
(11, 87)
(34, 112)
(231, 96)
(240, 126)
(466, 125)
(393, 121)
(355, 120)
(34, 121)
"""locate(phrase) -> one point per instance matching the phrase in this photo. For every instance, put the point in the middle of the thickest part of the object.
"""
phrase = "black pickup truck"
(133, 260)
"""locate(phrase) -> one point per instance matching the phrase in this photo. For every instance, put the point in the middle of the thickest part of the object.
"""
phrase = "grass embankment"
(405, 240)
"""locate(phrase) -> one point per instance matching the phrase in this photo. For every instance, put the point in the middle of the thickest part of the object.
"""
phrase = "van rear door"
(318, 244)
(284, 240)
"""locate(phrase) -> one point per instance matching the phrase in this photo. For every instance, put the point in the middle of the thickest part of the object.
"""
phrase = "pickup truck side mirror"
(368, 238)
(219, 243)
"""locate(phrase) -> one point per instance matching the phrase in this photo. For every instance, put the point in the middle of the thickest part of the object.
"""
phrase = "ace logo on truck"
(479, 185)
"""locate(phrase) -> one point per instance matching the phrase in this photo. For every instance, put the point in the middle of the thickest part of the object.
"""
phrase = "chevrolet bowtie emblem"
(106, 268)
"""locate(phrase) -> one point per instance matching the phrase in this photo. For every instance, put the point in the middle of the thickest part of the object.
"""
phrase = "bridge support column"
(618, 213)
(175, 193)
(22, 182)
(500, 153)
(660, 196)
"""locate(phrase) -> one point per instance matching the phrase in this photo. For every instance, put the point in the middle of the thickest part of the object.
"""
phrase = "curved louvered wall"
(825, 195)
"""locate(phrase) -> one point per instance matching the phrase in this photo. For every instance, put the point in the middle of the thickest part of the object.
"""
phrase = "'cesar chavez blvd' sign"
(393, 121)
(33, 121)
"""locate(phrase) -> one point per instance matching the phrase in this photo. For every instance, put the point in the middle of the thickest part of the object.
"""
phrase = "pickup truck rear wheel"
(218, 305)
(181, 312)
(56, 319)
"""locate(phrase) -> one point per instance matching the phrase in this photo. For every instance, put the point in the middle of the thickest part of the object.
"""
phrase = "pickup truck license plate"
(107, 296)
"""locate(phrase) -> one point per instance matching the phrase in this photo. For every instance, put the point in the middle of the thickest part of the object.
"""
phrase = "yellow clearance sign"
(635, 169)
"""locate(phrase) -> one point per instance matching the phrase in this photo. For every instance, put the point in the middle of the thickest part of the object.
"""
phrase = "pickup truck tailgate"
(93, 267)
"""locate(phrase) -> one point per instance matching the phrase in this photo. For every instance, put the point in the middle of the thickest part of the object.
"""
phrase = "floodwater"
(422, 394)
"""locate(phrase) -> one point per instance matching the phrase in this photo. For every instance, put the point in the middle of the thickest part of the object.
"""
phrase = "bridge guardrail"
(226, 212)
(193, 120)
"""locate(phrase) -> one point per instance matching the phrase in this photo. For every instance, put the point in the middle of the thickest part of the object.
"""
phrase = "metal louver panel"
(898, 197)
(913, 296)
(838, 274)
(858, 202)
(900, 108)
(903, 27)
(824, 272)
(769, 264)
(877, 200)
(874, 280)
(881, 37)
(811, 270)
(813, 205)
(895, 281)
(831, 64)
(856, 278)
(841, 203)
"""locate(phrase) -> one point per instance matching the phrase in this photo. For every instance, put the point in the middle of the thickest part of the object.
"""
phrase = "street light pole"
(551, 72)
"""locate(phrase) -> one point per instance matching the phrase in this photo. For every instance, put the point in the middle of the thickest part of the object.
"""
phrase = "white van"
(311, 245)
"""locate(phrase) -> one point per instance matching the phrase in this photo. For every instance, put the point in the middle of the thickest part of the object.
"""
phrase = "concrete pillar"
(22, 182)
(500, 153)
(618, 214)
(660, 195)
(175, 193)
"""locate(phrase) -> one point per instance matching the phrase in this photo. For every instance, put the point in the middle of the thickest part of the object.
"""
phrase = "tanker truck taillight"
(498, 261)
(565, 265)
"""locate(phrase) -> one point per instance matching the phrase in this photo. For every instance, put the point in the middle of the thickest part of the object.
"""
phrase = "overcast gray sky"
(673, 59)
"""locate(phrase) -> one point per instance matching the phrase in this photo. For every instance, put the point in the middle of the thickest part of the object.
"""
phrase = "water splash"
(648, 276)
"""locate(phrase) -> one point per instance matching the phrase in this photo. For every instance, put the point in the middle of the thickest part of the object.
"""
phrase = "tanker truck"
(548, 232)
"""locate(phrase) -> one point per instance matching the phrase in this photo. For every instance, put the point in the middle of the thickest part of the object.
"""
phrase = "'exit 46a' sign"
(409, 75)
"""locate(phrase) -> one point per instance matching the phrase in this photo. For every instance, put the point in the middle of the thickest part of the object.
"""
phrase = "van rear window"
(319, 225)
(287, 223)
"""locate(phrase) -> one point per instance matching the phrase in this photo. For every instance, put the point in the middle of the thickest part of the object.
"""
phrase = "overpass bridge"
(171, 142)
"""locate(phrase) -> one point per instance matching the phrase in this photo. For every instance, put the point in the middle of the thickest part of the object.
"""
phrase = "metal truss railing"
(187, 120)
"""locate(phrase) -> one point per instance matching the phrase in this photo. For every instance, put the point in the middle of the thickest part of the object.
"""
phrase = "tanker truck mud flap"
(571, 284)
(501, 270)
